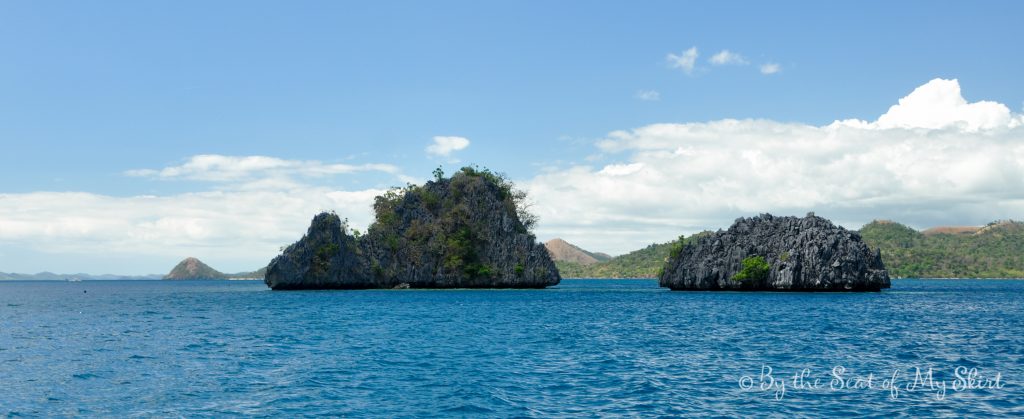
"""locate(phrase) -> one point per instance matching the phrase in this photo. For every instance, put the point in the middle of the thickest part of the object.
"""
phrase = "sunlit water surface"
(585, 347)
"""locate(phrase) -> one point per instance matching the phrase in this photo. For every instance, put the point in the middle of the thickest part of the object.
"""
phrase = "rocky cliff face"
(327, 257)
(783, 254)
(460, 232)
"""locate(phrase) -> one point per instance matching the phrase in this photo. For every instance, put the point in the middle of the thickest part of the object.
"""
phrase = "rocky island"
(194, 269)
(467, 231)
(776, 254)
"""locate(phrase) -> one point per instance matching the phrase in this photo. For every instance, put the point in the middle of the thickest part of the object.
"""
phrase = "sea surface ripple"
(583, 348)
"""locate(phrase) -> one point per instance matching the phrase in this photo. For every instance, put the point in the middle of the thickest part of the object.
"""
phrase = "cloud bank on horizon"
(933, 158)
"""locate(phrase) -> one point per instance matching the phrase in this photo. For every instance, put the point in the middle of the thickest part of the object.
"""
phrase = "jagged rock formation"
(192, 268)
(563, 251)
(327, 257)
(797, 254)
(467, 231)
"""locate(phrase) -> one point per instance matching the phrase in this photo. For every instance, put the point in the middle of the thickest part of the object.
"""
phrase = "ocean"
(582, 348)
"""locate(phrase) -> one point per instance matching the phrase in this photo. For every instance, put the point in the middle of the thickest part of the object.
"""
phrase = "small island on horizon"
(193, 269)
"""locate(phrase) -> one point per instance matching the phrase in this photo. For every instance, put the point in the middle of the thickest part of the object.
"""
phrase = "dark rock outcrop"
(801, 254)
(327, 257)
(458, 232)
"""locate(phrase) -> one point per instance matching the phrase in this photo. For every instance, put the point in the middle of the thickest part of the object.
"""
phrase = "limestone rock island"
(467, 231)
(776, 254)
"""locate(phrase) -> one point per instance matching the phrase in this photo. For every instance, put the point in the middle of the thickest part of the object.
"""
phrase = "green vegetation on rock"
(993, 251)
(470, 230)
(438, 220)
(755, 268)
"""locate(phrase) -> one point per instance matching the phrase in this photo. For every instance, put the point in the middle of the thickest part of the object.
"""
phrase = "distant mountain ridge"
(995, 250)
(563, 251)
(189, 268)
(50, 276)
(641, 263)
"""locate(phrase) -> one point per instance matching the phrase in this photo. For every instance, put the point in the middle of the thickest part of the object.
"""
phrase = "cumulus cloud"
(684, 61)
(648, 95)
(726, 57)
(932, 159)
(770, 68)
(445, 146)
(939, 104)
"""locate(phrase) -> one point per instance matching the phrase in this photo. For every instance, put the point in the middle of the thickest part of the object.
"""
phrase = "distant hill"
(995, 250)
(563, 251)
(643, 263)
(192, 268)
(257, 274)
(964, 230)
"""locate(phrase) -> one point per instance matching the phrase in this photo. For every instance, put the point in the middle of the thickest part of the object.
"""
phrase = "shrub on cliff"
(754, 268)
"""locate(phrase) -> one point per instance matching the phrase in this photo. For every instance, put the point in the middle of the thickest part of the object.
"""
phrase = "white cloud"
(770, 68)
(648, 95)
(445, 146)
(726, 57)
(219, 168)
(233, 230)
(621, 169)
(685, 61)
(934, 159)
(257, 204)
(939, 104)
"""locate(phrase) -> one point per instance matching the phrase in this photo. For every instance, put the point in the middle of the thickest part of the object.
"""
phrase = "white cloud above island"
(444, 146)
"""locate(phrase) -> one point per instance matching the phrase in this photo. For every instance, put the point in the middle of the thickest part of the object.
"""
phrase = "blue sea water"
(583, 348)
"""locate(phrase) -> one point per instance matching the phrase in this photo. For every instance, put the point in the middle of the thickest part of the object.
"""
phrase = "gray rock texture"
(458, 232)
(804, 254)
(327, 257)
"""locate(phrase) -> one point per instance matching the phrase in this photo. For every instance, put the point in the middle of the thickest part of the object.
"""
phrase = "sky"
(135, 134)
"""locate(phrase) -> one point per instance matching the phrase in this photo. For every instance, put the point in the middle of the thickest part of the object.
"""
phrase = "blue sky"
(93, 93)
